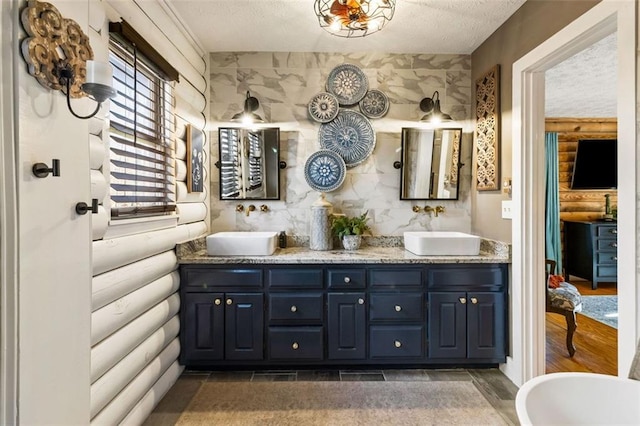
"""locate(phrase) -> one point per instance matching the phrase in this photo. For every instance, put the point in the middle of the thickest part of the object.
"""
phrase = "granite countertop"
(195, 252)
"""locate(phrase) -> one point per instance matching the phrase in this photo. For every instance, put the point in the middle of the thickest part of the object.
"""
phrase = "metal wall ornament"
(488, 130)
(54, 42)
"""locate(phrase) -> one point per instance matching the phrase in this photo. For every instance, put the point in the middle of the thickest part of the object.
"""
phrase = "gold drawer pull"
(217, 302)
(398, 308)
(229, 302)
(397, 344)
(295, 346)
(474, 300)
(294, 308)
(463, 300)
(347, 280)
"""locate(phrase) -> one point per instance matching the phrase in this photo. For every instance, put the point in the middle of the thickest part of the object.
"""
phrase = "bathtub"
(579, 399)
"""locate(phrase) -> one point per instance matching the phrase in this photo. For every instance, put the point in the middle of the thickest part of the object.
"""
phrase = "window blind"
(141, 137)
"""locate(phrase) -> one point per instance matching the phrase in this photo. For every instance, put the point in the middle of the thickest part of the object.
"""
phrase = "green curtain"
(553, 249)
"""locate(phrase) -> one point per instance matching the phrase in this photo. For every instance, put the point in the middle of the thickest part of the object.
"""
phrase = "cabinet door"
(203, 328)
(485, 325)
(347, 326)
(447, 324)
(244, 326)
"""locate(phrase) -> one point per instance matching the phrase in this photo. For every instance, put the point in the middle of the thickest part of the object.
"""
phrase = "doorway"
(528, 125)
(581, 140)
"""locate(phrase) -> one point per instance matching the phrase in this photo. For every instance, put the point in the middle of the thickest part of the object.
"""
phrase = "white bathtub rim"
(529, 386)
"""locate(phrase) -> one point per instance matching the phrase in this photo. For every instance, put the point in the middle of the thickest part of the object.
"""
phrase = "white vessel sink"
(242, 243)
(441, 243)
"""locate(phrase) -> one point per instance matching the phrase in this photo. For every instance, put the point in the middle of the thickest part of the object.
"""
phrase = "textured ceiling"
(418, 26)
(585, 84)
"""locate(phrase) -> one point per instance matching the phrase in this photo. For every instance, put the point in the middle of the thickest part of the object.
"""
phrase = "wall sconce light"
(432, 108)
(247, 115)
(59, 55)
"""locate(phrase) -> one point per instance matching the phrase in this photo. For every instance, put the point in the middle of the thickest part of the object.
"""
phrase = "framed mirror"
(430, 165)
(249, 163)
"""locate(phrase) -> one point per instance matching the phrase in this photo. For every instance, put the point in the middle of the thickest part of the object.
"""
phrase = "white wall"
(101, 349)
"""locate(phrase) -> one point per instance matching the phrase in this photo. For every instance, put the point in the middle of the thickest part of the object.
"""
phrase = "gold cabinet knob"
(463, 300)
(474, 300)
(229, 302)
(397, 344)
(347, 280)
(360, 301)
(294, 308)
(295, 346)
(398, 308)
(217, 302)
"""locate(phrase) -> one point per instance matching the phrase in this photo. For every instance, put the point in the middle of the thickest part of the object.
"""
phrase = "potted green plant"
(349, 229)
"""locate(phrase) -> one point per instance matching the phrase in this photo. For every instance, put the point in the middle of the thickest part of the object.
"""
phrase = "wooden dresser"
(591, 251)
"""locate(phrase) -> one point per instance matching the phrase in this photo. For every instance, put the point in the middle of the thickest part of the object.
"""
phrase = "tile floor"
(499, 391)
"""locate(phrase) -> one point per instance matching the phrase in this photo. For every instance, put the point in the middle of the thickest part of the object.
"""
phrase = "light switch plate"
(506, 209)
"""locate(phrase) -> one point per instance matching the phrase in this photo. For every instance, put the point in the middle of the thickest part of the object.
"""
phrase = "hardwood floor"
(596, 343)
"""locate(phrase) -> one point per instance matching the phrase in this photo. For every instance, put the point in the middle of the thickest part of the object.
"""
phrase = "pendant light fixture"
(354, 18)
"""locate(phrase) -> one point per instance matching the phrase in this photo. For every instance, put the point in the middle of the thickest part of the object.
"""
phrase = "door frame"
(527, 304)
(8, 221)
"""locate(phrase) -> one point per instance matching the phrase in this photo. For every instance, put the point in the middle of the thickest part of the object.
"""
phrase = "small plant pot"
(351, 242)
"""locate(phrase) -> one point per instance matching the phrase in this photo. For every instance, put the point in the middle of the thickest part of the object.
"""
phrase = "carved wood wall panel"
(488, 130)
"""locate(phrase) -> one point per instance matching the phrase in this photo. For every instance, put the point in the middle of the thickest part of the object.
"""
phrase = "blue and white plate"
(323, 107)
(350, 135)
(325, 171)
(375, 104)
(347, 83)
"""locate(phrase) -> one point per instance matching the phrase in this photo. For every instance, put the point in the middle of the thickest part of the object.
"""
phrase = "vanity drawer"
(395, 277)
(346, 278)
(204, 278)
(400, 307)
(489, 277)
(295, 307)
(396, 341)
(299, 278)
(295, 343)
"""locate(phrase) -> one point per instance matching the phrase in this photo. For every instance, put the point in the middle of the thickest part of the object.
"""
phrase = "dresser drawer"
(401, 307)
(606, 258)
(395, 277)
(298, 278)
(295, 343)
(396, 341)
(609, 271)
(606, 231)
(295, 307)
(607, 244)
(346, 278)
(205, 278)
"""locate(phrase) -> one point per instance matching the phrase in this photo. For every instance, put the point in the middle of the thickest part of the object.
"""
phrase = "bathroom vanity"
(374, 306)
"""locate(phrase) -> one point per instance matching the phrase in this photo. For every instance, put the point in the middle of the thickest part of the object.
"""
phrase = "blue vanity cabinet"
(295, 312)
(467, 313)
(219, 319)
(346, 326)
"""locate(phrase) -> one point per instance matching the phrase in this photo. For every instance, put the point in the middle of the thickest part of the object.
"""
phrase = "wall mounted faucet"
(429, 210)
(250, 208)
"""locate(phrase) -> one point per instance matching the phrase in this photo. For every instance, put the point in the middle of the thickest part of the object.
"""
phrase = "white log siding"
(134, 321)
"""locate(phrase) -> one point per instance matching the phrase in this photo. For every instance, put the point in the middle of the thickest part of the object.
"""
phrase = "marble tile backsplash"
(285, 82)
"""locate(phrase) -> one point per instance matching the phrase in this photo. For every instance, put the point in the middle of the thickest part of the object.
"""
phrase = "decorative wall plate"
(348, 83)
(375, 104)
(324, 171)
(323, 107)
(350, 134)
